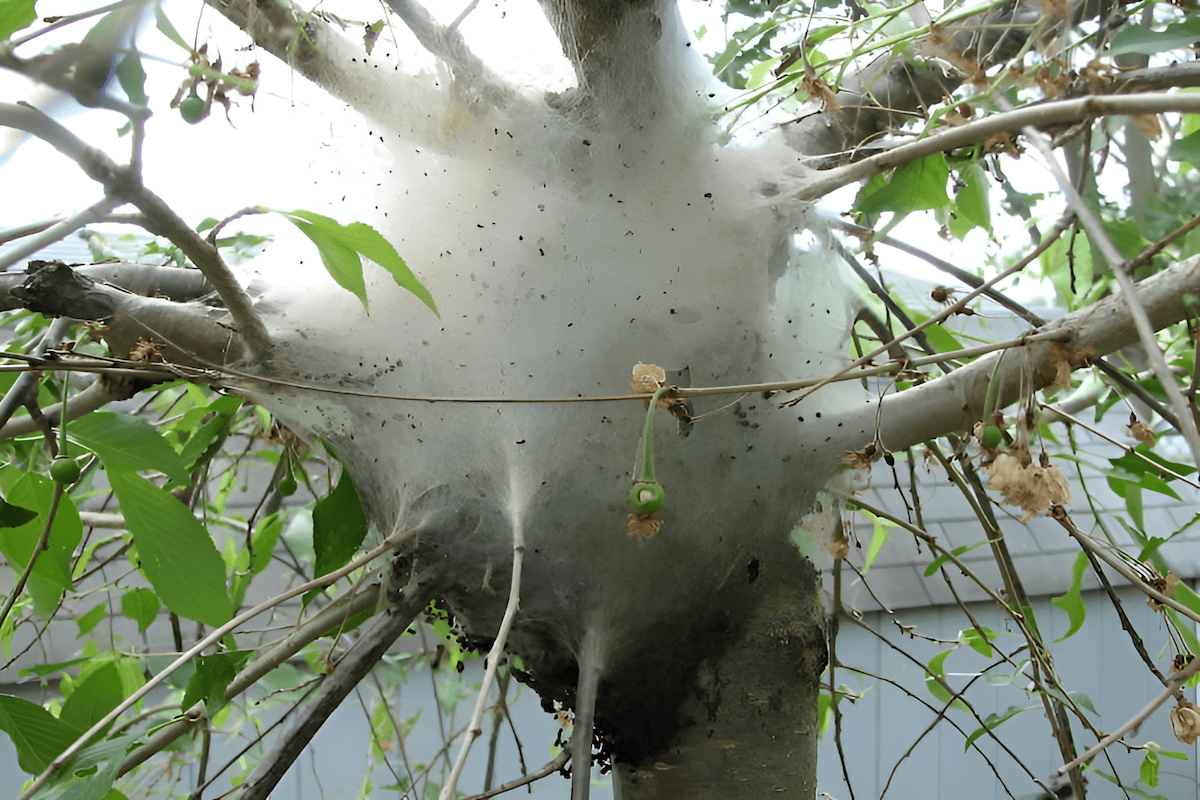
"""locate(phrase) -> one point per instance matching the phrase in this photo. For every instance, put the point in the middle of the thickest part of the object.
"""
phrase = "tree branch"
(954, 402)
(123, 183)
(1039, 115)
(353, 667)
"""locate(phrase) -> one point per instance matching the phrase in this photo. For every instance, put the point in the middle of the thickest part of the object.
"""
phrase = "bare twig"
(475, 727)
(1100, 238)
(549, 768)
(1137, 719)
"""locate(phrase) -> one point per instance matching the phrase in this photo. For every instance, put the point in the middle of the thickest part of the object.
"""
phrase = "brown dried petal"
(1185, 722)
(647, 378)
(642, 526)
(1141, 431)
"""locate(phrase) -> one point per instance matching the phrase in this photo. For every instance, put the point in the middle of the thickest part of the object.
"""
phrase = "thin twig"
(549, 768)
(1137, 719)
(1100, 238)
(66, 755)
(475, 728)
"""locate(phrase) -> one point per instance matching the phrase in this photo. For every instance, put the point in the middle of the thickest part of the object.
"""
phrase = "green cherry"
(647, 497)
(191, 108)
(992, 436)
(64, 470)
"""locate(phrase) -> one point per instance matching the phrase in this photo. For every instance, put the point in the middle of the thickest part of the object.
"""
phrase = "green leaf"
(127, 444)
(971, 201)
(212, 677)
(937, 563)
(937, 670)
(133, 78)
(340, 247)
(141, 606)
(15, 15)
(1072, 601)
(915, 186)
(36, 733)
(1149, 769)
(1186, 148)
(93, 697)
(992, 722)
(51, 574)
(12, 516)
(98, 785)
(878, 538)
(168, 30)
(339, 527)
(1083, 701)
(91, 619)
(176, 553)
(1138, 39)
(980, 644)
(1138, 464)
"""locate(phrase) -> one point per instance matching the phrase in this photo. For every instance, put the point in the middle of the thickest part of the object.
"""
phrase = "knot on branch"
(55, 290)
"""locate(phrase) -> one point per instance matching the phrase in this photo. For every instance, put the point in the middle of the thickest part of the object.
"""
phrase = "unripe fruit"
(191, 108)
(287, 486)
(64, 470)
(992, 436)
(646, 497)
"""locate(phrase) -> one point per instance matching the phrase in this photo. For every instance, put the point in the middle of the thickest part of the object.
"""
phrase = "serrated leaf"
(15, 15)
(1072, 601)
(916, 186)
(212, 677)
(141, 606)
(51, 573)
(878, 538)
(36, 733)
(972, 201)
(175, 551)
(339, 527)
(1149, 769)
(93, 697)
(98, 785)
(340, 247)
(127, 444)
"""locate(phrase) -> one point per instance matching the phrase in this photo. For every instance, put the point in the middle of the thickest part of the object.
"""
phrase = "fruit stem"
(648, 456)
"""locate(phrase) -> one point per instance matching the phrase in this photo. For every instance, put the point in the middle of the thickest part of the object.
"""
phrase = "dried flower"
(642, 526)
(1032, 488)
(1185, 722)
(839, 549)
(1140, 431)
(647, 378)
